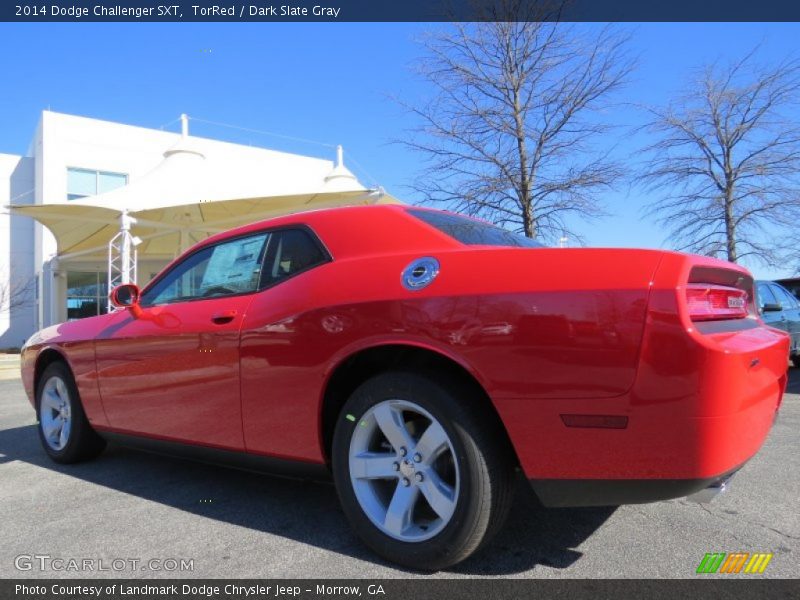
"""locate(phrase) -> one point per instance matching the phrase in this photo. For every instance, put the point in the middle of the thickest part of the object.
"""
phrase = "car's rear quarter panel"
(531, 324)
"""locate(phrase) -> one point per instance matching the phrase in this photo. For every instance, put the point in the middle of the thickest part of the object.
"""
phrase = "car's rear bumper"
(702, 405)
(613, 492)
(681, 427)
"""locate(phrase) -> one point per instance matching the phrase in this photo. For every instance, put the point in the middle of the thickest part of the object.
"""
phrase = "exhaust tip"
(706, 495)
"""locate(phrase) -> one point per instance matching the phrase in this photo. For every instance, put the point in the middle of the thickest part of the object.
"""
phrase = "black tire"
(82, 442)
(484, 462)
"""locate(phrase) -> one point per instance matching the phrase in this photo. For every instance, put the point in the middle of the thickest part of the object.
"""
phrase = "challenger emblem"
(735, 302)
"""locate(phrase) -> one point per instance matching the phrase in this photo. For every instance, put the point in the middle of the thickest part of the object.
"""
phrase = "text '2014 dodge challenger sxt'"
(423, 358)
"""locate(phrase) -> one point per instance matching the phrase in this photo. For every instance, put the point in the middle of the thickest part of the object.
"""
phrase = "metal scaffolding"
(122, 255)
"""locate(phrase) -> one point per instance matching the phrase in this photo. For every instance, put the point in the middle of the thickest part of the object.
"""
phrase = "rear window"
(471, 231)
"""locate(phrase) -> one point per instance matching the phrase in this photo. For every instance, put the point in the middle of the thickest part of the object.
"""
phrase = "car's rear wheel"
(423, 476)
(64, 430)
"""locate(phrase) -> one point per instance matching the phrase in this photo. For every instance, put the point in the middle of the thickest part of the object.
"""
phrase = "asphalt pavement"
(134, 514)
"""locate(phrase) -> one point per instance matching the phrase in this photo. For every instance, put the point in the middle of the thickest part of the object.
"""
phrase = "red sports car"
(424, 358)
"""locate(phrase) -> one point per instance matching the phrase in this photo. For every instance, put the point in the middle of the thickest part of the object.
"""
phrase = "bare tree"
(14, 293)
(509, 134)
(727, 159)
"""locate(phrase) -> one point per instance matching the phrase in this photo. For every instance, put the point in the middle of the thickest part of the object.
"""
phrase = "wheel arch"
(44, 359)
(367, 362)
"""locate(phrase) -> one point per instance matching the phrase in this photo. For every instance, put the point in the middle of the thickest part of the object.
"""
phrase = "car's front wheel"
(64, 430)
(423, 476)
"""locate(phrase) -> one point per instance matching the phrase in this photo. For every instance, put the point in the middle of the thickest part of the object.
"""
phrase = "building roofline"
(176, 135)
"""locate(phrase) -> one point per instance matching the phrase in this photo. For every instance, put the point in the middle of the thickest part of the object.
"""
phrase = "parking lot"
(129, 505)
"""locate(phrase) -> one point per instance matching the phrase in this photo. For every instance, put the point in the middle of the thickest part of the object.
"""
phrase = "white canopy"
(198, 190)
(83, 229)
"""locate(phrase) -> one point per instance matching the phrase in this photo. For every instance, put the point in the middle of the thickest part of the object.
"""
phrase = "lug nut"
(406, 482)
(403, 451)
(396, 466)
(418, 457)
(419, 477)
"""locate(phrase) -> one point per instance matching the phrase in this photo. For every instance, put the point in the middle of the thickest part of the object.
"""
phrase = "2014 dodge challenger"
(424, 358)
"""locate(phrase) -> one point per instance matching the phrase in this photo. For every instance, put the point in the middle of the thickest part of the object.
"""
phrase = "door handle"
(226, 316)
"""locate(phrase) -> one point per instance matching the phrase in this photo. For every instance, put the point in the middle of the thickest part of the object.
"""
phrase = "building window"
(87, 294)
(88, 182)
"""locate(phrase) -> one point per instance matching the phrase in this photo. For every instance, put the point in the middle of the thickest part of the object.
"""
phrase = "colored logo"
(735, 562)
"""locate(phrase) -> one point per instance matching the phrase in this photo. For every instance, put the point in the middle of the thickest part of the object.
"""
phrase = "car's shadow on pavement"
(304, 511)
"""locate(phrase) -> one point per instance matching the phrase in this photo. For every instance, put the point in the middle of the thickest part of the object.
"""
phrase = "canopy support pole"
(122, 255)
(184, 241)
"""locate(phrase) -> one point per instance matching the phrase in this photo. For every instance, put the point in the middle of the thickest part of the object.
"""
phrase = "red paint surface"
(544, 331)
(173, 372)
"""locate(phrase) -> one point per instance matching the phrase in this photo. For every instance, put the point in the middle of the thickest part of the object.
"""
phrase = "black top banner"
(400, 10)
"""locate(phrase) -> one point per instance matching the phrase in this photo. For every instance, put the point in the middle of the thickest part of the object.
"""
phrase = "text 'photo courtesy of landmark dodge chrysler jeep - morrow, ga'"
(423, 359)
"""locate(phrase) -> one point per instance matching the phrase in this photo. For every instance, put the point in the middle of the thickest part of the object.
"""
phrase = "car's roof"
(305, 216)
(363, 229)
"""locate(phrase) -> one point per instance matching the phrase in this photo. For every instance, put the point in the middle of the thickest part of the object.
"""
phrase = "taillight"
(712, 302)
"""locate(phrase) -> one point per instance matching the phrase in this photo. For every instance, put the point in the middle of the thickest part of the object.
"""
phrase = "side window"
(232, 267)
(784, 297)
(290, 252)
(765, 295)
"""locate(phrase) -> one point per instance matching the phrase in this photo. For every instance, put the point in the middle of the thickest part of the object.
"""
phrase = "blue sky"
(328, 82)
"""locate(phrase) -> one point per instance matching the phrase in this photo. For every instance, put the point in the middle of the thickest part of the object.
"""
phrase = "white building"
(85, 169)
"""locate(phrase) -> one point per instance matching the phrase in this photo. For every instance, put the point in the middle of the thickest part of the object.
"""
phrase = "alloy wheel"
(404, 470)
(55, 413)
